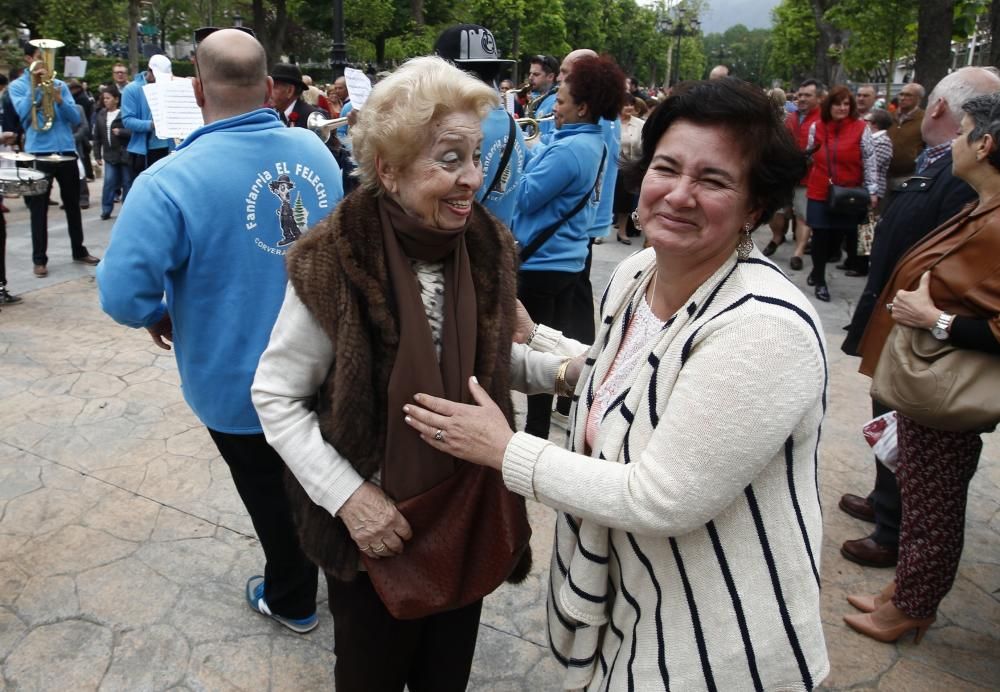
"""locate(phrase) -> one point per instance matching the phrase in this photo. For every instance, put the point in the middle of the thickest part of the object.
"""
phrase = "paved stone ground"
(124, 547)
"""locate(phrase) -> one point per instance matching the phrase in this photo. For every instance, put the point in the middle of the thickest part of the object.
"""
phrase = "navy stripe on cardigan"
(790, 469)
(699, 635)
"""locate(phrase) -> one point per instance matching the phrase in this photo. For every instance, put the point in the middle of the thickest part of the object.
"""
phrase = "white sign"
(74, 67)
(175, 112)
(358, 87)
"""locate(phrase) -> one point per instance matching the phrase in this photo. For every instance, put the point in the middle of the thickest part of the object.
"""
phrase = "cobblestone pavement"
(124, 548)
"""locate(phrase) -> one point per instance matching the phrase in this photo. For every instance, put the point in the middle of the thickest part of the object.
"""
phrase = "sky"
(722, 14)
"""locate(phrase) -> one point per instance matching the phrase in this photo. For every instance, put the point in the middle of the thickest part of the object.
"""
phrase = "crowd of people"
(350, 315)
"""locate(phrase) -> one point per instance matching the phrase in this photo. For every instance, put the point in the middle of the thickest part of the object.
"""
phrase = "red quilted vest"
(840, 145)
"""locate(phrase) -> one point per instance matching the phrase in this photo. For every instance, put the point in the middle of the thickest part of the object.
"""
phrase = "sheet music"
(175, 112)
(358, 87)
(73, 66)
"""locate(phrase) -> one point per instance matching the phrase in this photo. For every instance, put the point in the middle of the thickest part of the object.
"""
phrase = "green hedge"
(99, 69)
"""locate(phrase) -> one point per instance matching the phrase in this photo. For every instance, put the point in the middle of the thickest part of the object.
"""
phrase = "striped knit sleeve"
(729, 415)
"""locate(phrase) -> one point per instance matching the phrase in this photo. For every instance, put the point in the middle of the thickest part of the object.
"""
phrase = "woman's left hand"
(915, 308)
(477, 433)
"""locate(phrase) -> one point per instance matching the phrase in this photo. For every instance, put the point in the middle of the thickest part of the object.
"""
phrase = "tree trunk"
(417, 11)
(271, 32)
(994, 57)
(515, 52)
(934, 23)
(133, 36)
(829, 35)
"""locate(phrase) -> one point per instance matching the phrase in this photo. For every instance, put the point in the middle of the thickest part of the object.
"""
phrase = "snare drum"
(22, 182)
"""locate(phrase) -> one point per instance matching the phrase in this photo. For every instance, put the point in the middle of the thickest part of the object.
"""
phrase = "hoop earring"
(745, 246)
(635, 220)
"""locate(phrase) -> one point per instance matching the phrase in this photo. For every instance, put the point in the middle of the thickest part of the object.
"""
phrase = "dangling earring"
(745, 246)
(635, 220)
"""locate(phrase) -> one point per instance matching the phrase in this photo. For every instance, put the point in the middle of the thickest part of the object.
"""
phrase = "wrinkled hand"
(375, 525)
(915, 308)
(162, 331)
(574, 368)
(525, 325)
(477, 433)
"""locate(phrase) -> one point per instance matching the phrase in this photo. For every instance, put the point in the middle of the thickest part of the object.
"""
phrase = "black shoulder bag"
(846, 201)
(531, 248)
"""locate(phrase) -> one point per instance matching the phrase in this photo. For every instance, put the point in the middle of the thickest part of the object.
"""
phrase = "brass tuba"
(47, 86)
(324, 126)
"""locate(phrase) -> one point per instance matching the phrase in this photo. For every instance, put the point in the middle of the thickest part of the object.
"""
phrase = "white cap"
(160, 65)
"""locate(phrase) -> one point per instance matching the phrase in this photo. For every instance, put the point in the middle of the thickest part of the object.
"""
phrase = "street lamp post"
(338, 54)
(681, 21)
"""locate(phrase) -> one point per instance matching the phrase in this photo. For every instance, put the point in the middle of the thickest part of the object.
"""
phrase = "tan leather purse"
(936, 383)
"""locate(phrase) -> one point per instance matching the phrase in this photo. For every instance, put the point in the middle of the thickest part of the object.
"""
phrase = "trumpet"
(48, 85)
(531, 126)
(324, 127)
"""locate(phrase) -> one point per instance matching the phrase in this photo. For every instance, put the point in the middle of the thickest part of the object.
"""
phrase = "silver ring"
(439, 435)
(380, 548)
(888, 306)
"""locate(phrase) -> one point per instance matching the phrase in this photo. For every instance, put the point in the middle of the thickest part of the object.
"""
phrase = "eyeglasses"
(206, 31)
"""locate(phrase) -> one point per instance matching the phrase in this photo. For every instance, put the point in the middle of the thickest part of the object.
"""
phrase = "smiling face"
(806, 98)
(841, 109)
(439, 185)
(694, 199)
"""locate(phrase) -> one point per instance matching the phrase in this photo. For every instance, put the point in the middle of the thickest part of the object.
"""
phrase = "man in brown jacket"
(905, 135)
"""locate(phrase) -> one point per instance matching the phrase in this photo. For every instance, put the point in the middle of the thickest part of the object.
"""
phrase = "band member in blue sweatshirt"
(472, 48)
(45, 135)
(209, 226)
(558, 202)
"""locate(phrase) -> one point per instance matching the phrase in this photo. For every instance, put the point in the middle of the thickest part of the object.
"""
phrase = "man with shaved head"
(207, 229)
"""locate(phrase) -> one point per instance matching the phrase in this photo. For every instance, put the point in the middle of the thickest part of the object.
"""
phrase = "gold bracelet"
(562, 386)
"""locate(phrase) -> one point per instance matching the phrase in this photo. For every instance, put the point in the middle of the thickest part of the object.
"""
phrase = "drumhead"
(26, 174)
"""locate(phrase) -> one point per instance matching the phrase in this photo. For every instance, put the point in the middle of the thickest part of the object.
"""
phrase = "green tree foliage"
(880, 32)
(793, 40)
(747, 53)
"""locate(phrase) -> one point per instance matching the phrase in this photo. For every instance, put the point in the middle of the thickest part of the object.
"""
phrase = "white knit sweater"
(688, 544)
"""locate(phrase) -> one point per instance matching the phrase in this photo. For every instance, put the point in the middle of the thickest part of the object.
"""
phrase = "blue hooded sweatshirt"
(612, 131)
(503, 199)
(137, 117)
(209, 226)
(555, 180)
(58, 138)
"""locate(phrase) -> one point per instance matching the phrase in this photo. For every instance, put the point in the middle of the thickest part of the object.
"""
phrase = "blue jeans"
(115, 175)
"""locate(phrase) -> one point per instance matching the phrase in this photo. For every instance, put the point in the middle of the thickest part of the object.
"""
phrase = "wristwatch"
(942, 330)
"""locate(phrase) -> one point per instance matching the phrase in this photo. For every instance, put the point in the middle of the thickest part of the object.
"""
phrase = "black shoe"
(770, 248)
(105, 217)
(810, 280)
(854, 273)
(795, 262)
(843, 266)
(823, 293)
(624, 241)
(8, 298)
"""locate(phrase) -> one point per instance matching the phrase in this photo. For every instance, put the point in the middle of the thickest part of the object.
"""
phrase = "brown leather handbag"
(469, 535)
(936, 383)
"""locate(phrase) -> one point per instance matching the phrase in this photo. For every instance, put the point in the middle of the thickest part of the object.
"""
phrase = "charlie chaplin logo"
(293, 222)
(489, 45)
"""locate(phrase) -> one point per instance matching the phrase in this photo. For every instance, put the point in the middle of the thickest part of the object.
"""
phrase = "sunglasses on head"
(206, 31)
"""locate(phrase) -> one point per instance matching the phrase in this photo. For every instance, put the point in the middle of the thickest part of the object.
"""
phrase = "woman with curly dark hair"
(558, 200)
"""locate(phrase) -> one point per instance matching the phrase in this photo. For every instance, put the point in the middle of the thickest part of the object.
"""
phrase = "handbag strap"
(539, 240)
(508, 148)
(826, 145)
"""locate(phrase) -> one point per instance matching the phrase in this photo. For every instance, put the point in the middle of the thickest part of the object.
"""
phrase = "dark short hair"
(774, 162)
(812, 82)
(836, 95)
(598, 82)
(549, 64)
(113, 90)
(881, 118)
(30, 49)
(984, 111)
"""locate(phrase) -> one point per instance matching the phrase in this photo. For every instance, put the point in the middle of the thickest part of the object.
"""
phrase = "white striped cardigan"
(688, 544)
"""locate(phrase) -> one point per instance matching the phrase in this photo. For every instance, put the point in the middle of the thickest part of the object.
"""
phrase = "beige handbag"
(936, 383)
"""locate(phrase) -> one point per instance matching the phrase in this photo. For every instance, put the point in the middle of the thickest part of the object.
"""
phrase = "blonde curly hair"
(394, 123)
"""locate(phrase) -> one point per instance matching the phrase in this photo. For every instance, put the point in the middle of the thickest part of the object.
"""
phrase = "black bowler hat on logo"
(289, 74)
(468, 43)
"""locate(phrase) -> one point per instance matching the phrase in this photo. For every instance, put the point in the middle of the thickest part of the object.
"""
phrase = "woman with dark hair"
(843, 155)
(110, 141)
(687, 545)
(631, 149)
(558, 200)
(947, 284)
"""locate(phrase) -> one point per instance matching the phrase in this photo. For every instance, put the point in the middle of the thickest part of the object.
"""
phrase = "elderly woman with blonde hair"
(409, 286)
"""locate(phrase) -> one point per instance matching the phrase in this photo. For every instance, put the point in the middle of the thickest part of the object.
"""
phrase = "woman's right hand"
(525, 325)
(373, 521)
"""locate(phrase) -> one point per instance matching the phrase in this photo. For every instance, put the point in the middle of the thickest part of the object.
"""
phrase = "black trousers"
(141, 162)
(548, 298)
(3, 250)
(67, 175)
(581, 318)
(885, 498)
(378, 653)
(290, 578)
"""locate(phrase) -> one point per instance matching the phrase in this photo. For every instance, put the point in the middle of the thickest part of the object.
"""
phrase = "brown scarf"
(411, 466)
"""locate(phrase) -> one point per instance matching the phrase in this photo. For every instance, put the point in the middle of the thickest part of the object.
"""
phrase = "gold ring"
(439, 435)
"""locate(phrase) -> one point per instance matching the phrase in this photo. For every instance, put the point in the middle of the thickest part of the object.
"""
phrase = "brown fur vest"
(339, 272)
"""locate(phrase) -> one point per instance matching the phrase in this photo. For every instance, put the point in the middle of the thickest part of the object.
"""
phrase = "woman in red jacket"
(843, 155)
